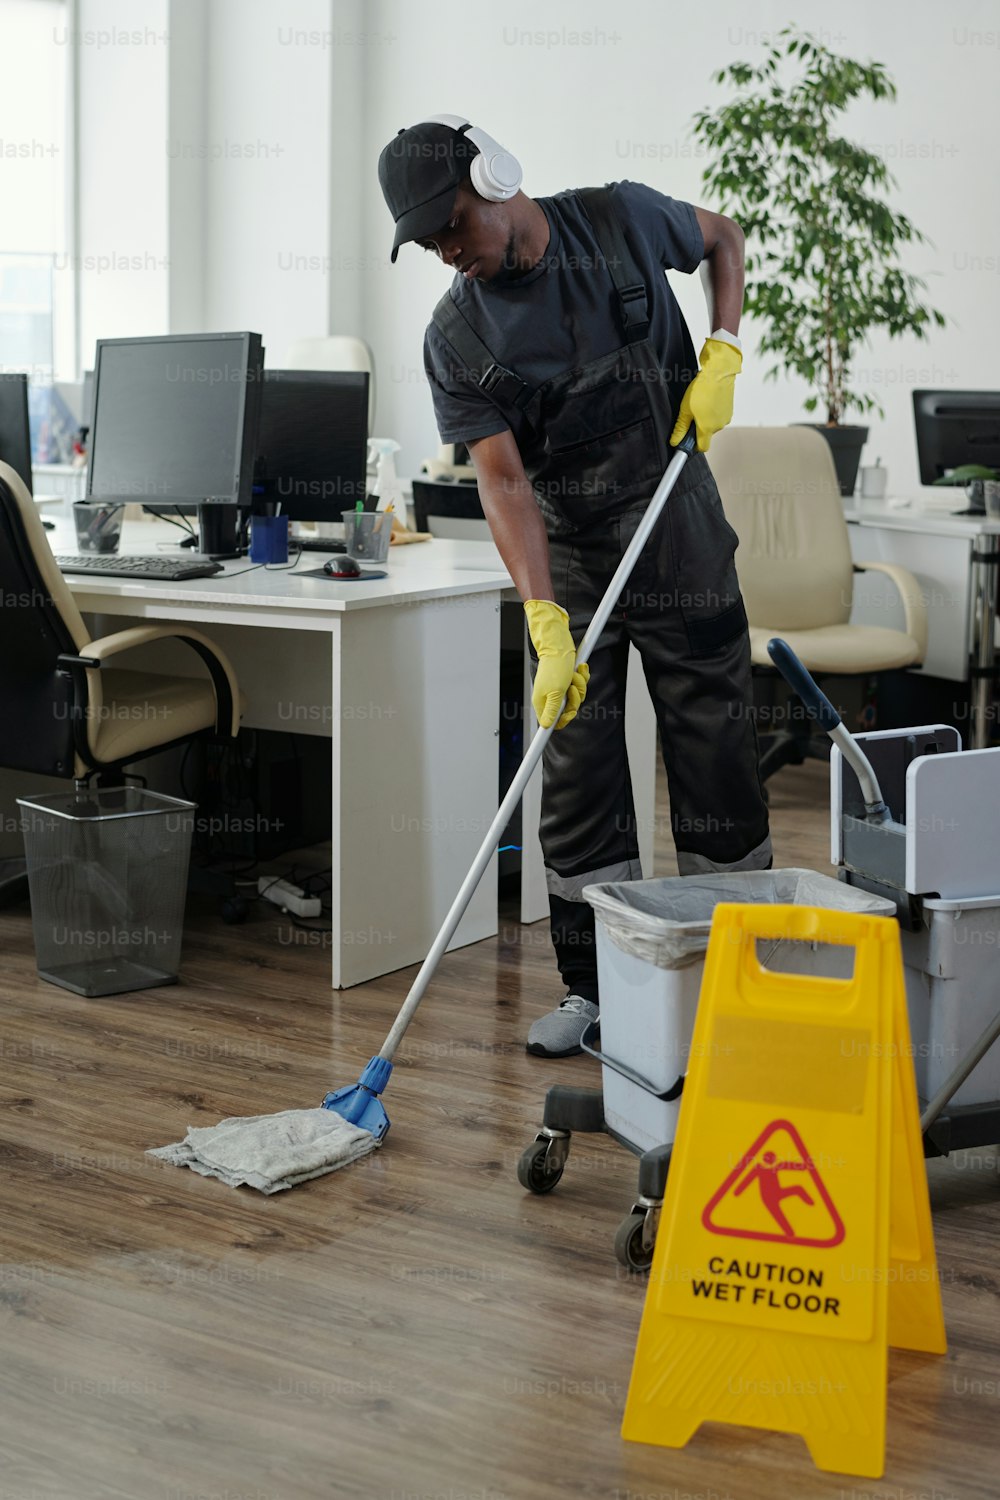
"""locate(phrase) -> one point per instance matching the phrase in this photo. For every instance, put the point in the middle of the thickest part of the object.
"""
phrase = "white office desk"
(402, 674)
(955, 559)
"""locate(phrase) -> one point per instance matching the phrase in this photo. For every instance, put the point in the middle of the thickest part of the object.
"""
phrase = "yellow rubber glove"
(557, 676)
(708, 400)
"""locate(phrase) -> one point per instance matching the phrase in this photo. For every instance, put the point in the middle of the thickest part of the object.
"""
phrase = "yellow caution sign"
(795, 1243)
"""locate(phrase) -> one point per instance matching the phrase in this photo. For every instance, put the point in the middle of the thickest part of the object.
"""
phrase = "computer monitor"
(312, 442)
(955, 428)
(15, 432)
(449, 509)
(175, 424)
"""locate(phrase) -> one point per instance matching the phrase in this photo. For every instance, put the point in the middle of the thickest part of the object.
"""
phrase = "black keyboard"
(166, 569)
(315, 544)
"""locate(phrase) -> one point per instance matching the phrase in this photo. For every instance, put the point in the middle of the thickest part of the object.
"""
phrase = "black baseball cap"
(419, 173)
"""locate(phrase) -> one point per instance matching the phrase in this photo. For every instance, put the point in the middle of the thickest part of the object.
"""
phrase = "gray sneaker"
(558, 1034)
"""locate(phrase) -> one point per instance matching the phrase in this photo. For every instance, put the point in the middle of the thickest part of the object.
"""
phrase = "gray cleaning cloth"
(270, 1152)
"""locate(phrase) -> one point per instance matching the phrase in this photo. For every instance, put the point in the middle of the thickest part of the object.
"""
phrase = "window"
(36, 280)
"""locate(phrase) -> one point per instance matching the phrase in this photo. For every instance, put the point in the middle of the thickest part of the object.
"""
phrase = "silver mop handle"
(534, 752)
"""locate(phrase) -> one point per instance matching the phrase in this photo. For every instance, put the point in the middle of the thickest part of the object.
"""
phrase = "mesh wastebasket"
(107, 871)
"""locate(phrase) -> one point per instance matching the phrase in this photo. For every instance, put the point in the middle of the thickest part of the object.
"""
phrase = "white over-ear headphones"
(496, 175)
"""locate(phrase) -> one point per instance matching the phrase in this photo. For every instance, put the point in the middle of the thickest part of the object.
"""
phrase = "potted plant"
(823, 266)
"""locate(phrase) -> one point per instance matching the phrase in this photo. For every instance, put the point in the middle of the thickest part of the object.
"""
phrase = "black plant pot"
(846, 444)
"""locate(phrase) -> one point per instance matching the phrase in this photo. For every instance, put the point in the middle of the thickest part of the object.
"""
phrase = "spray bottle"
(381, 451)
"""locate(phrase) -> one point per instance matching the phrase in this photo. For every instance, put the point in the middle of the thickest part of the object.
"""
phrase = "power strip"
(288, 897)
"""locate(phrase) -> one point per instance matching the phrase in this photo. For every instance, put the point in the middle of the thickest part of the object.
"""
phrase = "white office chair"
(781, 496)
(336, 352)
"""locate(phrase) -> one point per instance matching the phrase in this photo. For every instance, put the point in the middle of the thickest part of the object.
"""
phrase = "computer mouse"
(342, 567)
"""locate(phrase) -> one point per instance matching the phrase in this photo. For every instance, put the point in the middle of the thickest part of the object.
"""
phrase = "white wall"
(123, 52)
(267, 168)
(184, 133)
(205, 167)
(350, 78)
(274, 219)
(579, 112)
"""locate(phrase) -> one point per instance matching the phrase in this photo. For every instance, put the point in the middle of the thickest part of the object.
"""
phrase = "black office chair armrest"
(67, 659)
(69, 664)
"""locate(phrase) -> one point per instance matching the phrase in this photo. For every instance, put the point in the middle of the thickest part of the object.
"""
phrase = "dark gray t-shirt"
(563, 312)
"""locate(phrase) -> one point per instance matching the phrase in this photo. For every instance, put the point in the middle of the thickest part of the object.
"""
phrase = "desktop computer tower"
(259, 796)
(278, 790)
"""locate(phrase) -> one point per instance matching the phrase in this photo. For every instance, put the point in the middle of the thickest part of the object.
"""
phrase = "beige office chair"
(63, 711)
(780, 493)
(336, 352)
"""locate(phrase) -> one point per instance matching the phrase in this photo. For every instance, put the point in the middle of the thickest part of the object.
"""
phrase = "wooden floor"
(415, 1327)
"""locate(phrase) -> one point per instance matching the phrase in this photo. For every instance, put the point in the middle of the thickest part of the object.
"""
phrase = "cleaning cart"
(652, 936)
(915, 827)
(938, 861)
(916, 819)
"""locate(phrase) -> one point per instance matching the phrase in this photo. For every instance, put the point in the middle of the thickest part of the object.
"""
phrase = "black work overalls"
(597, 447)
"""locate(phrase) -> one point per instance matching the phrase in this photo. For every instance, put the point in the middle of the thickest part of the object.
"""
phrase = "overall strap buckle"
(633, 298)
(503, 385)
(635, 311)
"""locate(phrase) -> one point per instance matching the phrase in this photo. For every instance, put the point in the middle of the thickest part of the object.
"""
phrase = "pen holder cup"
(98, 527)
(367, 534)
(873, 482)
(269, 539)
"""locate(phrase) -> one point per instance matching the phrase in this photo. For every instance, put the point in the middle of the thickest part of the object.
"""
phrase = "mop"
(274, 1152)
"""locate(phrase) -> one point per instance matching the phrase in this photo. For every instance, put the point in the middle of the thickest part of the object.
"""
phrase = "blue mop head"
(359, 1103)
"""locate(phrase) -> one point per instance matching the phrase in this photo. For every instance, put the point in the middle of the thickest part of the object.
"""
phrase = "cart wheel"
(535, 1172)
(629, 1249)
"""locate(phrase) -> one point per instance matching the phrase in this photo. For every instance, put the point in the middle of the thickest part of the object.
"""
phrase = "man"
(561, 358)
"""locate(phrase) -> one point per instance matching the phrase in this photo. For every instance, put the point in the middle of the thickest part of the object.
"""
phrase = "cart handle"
(586, 1043)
